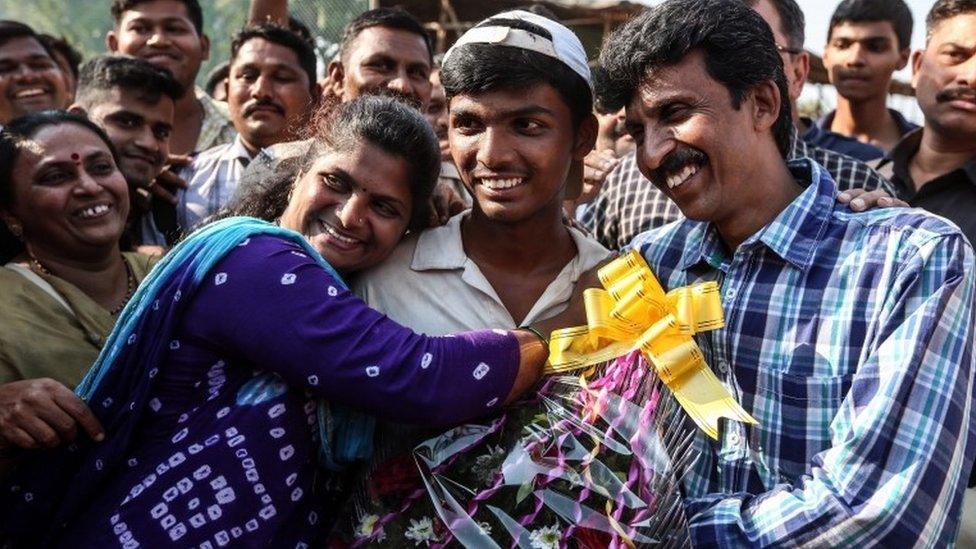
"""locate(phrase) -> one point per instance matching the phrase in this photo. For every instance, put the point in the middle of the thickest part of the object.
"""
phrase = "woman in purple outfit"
(225, 385)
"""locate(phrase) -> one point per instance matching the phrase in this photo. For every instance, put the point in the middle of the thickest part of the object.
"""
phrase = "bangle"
(538, 334)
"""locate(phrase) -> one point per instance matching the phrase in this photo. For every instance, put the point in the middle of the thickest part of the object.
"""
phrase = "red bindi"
(76, 157)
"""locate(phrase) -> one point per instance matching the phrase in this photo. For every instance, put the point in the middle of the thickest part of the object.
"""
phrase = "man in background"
(30, 78)
(868, 41)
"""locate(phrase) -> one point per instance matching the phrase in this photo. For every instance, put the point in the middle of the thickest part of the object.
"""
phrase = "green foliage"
(84, 22)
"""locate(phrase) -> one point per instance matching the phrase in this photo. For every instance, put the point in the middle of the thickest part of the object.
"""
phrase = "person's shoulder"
(394, 268)
(849, 172)
(141, 263)
(909, 229)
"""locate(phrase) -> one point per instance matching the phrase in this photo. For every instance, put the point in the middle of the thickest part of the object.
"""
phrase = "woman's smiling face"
(353, 206)
(68, 193)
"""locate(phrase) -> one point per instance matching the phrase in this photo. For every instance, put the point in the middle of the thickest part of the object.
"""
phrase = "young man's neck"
(775, 188)
(188, 118)
(522, 246)
(938, 155)
(867, 121)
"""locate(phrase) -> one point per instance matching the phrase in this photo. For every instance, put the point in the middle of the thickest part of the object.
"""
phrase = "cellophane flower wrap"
(587, 462)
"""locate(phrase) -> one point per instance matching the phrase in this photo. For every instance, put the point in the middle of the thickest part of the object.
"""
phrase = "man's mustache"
(263, 104)
(676, 161)
(953, 94)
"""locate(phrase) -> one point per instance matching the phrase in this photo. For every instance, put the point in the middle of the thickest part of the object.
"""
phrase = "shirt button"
(734, 439)
(723, 367)
(730, 293)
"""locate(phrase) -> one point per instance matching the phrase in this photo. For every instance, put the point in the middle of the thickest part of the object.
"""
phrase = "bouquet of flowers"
(589, 461)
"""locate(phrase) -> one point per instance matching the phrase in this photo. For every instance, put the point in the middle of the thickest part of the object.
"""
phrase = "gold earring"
(16, 229)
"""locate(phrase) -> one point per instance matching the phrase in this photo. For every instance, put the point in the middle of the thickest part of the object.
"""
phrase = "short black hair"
(276, 34)
(105, 72)
(64, 48)
(192, 9)
(15, 29)
(600, 81)
(946, 9)
(895, 12)
(476, 68)
(216, 75)
(738, 46)
(14, 138)
(390, 18)
(791, 20)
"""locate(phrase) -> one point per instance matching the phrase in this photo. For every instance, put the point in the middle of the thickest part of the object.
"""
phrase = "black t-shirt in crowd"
(952, 195)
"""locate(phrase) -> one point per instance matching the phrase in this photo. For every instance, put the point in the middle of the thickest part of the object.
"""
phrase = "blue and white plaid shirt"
(850, 337)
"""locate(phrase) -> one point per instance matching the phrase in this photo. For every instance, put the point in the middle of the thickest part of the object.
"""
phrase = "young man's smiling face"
(514, 148)
(161, 32)
(30, 79)
(691, 141)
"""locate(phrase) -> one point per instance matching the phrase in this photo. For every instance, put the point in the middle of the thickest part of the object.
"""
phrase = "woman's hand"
(42, 413)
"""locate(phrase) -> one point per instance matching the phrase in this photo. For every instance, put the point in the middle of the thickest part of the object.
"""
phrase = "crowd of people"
(242, 295)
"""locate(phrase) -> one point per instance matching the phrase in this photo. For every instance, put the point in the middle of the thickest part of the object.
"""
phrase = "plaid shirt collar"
(793, 235)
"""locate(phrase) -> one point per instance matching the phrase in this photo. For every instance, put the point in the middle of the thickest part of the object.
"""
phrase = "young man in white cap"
(521, 122)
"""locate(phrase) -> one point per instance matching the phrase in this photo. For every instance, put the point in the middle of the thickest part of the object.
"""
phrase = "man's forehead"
(396, 43)
(118, 99)
(22, 47)
(261, 51)
(506, 102)
(158, 11)
(960, 29)
(864, 30)
(681, 79)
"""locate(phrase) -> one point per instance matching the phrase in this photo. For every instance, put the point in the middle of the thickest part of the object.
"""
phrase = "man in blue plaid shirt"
(849, 336)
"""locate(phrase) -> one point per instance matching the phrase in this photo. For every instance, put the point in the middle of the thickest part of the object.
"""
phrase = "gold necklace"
(130, 280)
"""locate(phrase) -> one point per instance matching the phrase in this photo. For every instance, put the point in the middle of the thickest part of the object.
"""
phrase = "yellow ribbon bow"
(635, 313)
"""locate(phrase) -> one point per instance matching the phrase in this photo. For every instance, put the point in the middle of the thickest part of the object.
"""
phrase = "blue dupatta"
(50, 487)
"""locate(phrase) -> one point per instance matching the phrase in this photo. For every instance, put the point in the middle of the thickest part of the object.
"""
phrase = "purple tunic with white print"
(227, 455)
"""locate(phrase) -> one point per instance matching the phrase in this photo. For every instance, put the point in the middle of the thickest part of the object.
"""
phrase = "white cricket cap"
(564, 46)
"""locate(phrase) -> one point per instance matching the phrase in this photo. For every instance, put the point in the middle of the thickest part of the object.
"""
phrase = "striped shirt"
(211, 181)
(629, 204)
(850, 338)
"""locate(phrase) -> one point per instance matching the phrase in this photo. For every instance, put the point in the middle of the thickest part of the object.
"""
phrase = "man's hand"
(860, 200)
(42, 413)
(445, 202)
(596, 167)
(167, 183)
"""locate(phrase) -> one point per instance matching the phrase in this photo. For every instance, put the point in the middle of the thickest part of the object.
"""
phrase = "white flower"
(546, 538)
(421, 531)
(367, 528)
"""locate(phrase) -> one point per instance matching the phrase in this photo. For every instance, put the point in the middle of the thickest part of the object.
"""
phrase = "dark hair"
(282, 36)
(895, 12)
(62, 47)
(946, 9)
(192, 10)
(215, 77)
(600, 82)
(15, 29)
(390, 18)
(102, 73)
(539, 9)
(13, 138)
(791, 21)
(382, 121)
(737, 44)
(475, 68)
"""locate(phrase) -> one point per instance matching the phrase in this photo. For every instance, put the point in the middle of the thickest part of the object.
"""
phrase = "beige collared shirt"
(430, 285)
